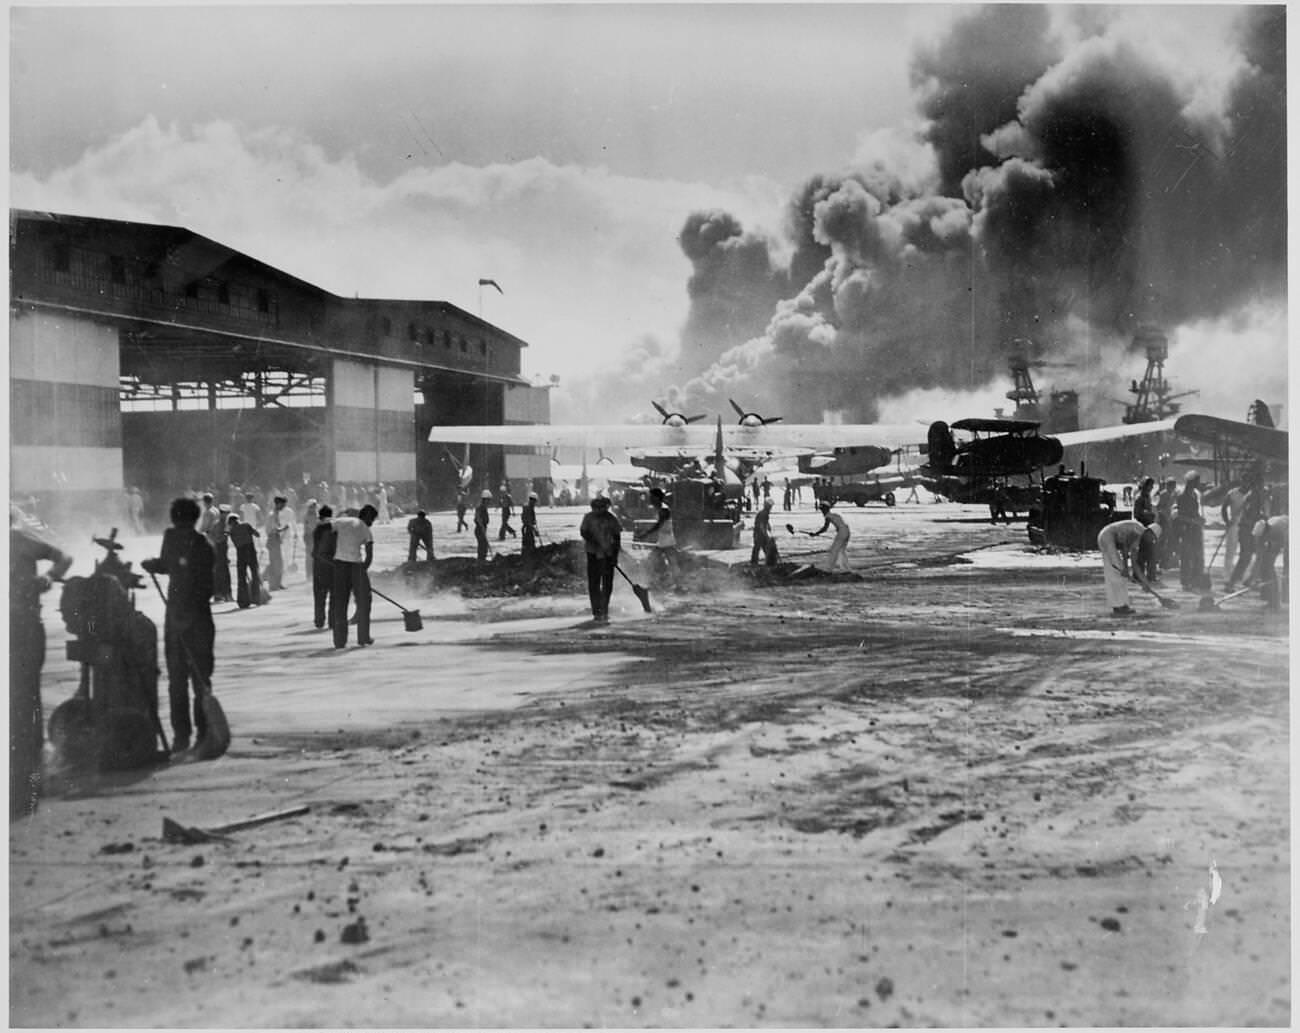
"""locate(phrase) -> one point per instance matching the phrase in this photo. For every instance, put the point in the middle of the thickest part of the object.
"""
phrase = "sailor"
(1273, 538)
(764, 542)
(322, 567)
(836, 555)
(248, 582)
(461, 507)
(661, 535)
(1191, 532)
(482, 518)
(279, 526)
(420, 532)
(507, 505)
(1230, 512)
(218, 536)
(354, 549)
(27, 657)
(602, 535)
(1124, 546)
(528, 520)
(188, 632)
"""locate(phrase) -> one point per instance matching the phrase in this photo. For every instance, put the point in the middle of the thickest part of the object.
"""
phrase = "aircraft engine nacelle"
(846, 462)
(940, 446)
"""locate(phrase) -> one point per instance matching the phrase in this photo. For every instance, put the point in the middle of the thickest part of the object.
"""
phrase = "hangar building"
(152, 356)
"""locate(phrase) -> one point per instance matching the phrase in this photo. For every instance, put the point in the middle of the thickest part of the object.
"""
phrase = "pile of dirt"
(560, 568)
(551, 570)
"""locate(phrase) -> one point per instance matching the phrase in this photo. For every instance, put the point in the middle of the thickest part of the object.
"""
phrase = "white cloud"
(588, 259)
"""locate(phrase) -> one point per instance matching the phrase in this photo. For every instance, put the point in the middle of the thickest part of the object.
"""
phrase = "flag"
(491, 283)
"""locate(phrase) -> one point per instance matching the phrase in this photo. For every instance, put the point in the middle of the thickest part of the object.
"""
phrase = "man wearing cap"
(1125, 546)
(528, 520)
(1191, 532)
(507, 510)
(482, 518)
(279, 526)
(764, 543)
(420, 532)
(322, 567)
(602, 534)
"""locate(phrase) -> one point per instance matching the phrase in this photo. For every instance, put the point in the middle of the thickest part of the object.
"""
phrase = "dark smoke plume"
(1076, 191)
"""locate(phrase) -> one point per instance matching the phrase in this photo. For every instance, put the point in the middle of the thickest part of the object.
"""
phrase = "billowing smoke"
(1068, 181)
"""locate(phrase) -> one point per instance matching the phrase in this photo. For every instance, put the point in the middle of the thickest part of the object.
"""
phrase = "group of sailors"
(1167, 532)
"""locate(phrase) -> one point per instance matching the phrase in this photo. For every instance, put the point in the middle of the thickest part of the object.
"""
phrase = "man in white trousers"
(1124, 546)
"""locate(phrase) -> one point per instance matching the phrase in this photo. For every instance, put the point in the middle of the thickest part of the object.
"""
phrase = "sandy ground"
(954, 791)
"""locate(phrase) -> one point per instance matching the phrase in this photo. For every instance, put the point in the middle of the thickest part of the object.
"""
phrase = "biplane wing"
(1267, 443)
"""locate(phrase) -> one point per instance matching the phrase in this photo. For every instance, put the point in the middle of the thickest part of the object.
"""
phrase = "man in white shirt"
(279, 528)
(354, 549)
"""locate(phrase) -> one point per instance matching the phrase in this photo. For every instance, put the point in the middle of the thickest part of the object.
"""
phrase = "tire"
(890, 501)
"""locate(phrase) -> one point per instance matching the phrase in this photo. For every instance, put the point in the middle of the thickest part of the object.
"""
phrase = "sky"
(831, 211)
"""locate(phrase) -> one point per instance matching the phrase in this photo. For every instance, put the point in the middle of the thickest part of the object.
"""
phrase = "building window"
(223, 293)
(192, 289)
(464, 345)
(263, 300)
(482, 346)
(63, 257)
(430, 336)
(411, 332)
(386, 325)
(117, 269)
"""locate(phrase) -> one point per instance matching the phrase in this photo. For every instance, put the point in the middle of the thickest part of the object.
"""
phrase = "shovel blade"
(643, 594)
(216, 736)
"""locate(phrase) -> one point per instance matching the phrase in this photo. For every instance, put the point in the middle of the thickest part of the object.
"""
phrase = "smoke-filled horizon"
(1065, 182)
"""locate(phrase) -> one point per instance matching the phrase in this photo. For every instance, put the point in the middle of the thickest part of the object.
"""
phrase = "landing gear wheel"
(890, 501)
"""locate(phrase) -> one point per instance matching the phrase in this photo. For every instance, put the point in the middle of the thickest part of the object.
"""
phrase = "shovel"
(175, 832)
(641, 592)
(1165, 601)
(216, 735)
(411, 618)
(790, 528)
(1210, 603)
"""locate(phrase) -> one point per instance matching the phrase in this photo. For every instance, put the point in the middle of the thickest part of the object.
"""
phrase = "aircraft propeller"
(675, 419)
(752, 419)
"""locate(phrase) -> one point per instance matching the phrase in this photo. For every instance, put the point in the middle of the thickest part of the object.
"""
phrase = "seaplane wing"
(755, 441)
(1267, 443)
(1114, 433)
(593, 436)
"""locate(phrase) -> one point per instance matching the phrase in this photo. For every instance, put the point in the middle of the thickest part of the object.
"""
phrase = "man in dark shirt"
(420, 531)
(482, 517)
(26, 658)
(188, 632)
(528, 521)
(602, 534)
(322, 567)
(248, 581)
(507, 510)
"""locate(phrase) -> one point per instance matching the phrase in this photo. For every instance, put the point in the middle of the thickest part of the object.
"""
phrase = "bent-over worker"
(764, 543)
(1125, 545)
(420, 531)
(836, 555)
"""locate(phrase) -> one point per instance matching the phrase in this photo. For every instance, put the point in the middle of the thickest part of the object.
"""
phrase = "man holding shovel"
(1125, 546)
(354, 548)
(189, 635)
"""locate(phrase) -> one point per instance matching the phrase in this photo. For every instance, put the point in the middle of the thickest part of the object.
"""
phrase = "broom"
(216, 734)
(642, 593)
(1165, 601)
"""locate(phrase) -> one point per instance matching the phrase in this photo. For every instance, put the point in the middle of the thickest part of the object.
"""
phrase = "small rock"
(1110, 924)
(884, 988)
(355, 932)
(320, 936)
